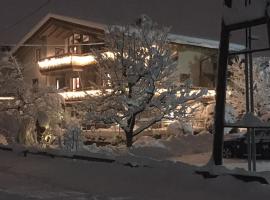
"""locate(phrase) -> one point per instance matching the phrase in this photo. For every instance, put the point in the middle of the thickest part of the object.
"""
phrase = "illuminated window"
(75, 83)
(73, 43)
(60, 83)
(57, 84)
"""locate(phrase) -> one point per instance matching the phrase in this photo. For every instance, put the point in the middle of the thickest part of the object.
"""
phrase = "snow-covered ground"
(39, 177)
(201, 159)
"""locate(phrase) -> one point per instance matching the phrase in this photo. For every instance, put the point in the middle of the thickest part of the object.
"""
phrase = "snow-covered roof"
(180, 39)
(200, 42)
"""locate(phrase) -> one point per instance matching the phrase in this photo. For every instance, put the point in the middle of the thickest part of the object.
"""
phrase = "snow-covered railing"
(6, 98)
(81, 95)
(237, 14)
(68, 61)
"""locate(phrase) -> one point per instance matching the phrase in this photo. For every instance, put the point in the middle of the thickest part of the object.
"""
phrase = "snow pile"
(102, 150)
(147, 141)
(178, 128)
(189, 144)
(238, 13)
(172, 147)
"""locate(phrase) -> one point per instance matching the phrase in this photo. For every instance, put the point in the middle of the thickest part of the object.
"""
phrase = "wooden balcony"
(74, 62)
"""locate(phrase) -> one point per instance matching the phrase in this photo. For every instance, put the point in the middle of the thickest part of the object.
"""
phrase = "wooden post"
(221, 95)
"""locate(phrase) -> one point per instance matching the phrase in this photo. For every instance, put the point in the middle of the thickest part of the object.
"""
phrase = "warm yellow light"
(54, 62)
(75, 60)
(83, 60)
(210, 93)
(6, 98)
(75, 95)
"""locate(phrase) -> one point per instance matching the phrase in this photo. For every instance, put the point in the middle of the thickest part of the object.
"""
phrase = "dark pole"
(252, 102)
(247, 94)
(221, 95)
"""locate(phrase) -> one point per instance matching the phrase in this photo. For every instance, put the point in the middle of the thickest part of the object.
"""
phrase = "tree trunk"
(129, 137)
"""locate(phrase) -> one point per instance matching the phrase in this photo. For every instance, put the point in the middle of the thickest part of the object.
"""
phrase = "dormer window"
(76, 41)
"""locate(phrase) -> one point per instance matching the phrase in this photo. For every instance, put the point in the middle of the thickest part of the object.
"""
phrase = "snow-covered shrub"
(236, 86)
(27, 103)
(261, 86)
(10, 126)
(3, 139)
(135, 75)
(230, 116)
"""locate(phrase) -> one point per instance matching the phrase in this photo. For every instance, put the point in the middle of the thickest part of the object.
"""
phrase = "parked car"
(235, 145)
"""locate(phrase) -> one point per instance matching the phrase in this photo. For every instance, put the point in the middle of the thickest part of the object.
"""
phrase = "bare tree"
(136, 80)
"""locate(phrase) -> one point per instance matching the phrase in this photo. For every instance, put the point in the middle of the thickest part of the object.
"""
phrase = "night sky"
(199, 18)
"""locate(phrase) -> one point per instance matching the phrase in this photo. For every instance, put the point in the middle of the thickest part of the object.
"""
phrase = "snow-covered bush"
(261, 86)
(236, 86)
(230, 116)
(136, 74)
(26, 103)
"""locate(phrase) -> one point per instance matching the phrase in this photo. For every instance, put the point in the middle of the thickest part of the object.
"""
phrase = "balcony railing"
(80, 95)
(66, 61)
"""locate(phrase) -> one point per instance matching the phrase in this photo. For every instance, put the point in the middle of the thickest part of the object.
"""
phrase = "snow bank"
(172, 147)
(178, 128)
(106, 150)
(147, 141)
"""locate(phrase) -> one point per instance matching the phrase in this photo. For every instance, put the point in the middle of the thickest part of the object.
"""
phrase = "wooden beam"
(268, 31)
(234, 53)
(53, 31)
(247, 24)
(221, 95)
(60, 33)
(80, 28)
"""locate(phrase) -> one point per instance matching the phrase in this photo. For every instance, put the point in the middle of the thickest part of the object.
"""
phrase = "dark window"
(59, 51)
(35, 84)
(184, 77)
(38, 55)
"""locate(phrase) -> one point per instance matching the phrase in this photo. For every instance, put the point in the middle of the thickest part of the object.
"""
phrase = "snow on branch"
(136, 72)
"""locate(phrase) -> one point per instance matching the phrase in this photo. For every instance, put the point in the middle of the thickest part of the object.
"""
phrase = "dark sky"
(187, 17)
(200, 18)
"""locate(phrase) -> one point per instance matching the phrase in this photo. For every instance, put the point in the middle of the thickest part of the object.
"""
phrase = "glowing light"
(69, 60)
(210, 93)
(6, 98)
(80, 95)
